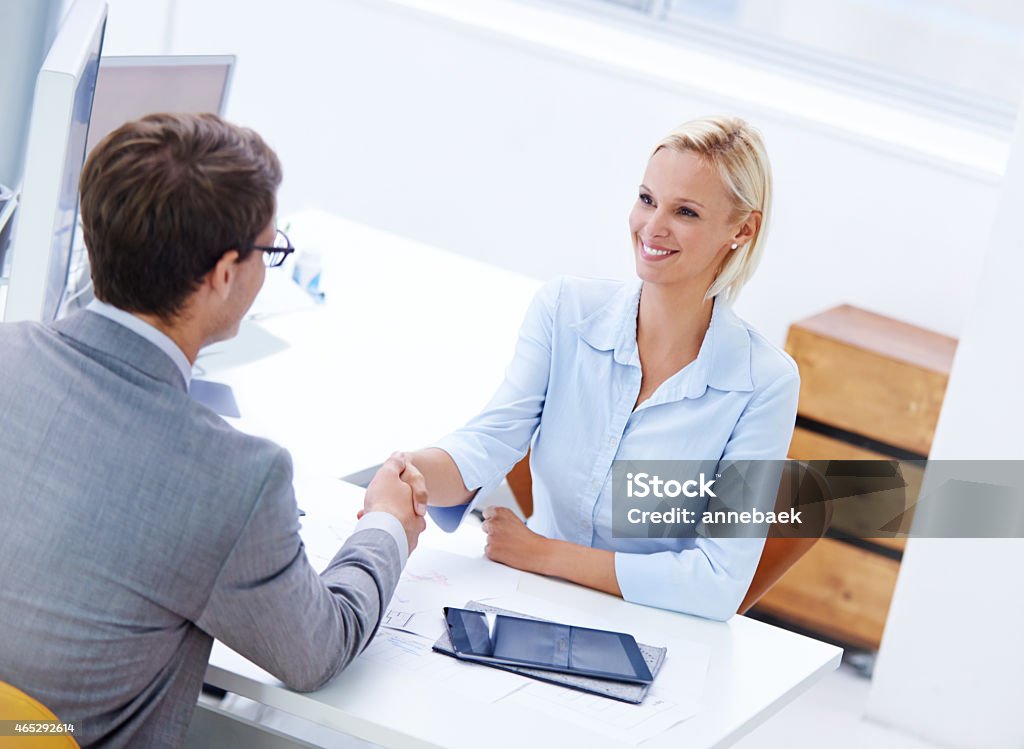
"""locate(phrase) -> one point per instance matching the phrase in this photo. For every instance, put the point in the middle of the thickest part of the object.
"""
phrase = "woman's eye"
(684, 211)
(646, 199)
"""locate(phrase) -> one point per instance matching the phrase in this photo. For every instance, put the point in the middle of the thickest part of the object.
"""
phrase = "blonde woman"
(661, 368)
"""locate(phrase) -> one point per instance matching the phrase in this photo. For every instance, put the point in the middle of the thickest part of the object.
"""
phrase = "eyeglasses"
(275, 255)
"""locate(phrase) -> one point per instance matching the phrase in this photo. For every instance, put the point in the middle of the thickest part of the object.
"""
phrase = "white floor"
(829, 714)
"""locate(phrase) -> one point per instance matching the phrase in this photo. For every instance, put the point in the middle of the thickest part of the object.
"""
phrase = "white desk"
(331, 384)
(411, 342)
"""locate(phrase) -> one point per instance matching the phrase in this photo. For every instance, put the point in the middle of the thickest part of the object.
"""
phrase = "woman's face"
(683, 223)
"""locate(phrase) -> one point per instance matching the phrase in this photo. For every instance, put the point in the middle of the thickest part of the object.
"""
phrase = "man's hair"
(163, 198)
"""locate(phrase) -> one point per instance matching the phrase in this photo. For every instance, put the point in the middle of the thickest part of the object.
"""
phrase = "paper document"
(631, 724)
(330, 517)
(323, 538)
(410, 656)
(673, 697)
(396, 619)
(685, 669)
(434, 579)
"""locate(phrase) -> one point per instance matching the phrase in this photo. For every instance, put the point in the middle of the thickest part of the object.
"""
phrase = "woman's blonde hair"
(736, 151)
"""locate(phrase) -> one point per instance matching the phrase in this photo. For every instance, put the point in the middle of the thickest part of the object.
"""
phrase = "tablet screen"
(546, 645)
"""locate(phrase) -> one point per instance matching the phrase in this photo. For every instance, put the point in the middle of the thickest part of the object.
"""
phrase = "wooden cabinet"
(871, 388)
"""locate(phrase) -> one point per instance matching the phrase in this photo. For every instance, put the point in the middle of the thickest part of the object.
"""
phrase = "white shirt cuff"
(385, 521)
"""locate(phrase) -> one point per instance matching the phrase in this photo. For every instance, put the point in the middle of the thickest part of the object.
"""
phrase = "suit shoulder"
(242, 468)
(230, 464)
(22, 332)
(244, 450)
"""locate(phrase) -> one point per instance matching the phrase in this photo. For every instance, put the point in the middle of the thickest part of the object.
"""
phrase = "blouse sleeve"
(487, 447)
(711, 579)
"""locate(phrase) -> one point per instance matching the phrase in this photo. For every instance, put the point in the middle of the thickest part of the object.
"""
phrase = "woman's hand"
(510, 542)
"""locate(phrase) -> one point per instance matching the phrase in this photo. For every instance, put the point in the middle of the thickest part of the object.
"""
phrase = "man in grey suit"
(137, 525)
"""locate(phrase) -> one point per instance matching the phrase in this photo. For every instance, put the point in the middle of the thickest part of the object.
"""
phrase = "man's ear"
(222, 277)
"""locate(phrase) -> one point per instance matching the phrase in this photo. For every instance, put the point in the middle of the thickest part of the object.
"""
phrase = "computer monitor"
(58, 132)
(131, 87)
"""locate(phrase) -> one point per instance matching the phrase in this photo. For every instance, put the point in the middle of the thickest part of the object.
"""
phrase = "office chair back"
(781, 551)
(521, 483)
(803, 488)
(16, 705)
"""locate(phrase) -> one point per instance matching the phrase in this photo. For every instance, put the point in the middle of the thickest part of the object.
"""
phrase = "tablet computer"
(510, 640)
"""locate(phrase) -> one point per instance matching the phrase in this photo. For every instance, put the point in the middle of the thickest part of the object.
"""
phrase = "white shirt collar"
(140, 327)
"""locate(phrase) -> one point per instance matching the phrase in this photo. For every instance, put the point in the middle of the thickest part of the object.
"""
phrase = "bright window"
(958, 59)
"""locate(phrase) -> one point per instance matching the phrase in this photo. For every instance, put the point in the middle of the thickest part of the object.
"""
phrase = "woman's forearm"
(445, 486)
(594, 568)
(510, 542)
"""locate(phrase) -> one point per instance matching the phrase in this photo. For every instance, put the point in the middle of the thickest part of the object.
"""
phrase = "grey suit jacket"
(136, 526)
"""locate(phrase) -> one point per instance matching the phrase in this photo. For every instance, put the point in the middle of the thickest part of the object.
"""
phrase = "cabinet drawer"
(837, 589)
(871, 375)
(808, 445)
(861, 392)
(859, 521)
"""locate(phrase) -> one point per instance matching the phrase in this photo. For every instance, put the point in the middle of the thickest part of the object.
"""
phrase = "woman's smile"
(653, 253)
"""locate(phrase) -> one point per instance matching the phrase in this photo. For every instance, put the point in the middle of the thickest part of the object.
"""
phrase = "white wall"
(951, 660)
(138, 27)
(972, 45)
(528, 158)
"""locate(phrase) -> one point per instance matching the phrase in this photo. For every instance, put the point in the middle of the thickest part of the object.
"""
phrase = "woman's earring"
(734, 246)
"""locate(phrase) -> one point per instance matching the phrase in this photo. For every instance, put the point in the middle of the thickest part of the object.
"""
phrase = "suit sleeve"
(711, 579)
(270, 605)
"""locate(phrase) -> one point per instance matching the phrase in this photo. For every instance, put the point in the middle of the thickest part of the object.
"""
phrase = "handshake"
(399, 489)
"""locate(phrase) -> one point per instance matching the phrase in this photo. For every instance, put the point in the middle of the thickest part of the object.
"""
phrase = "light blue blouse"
(568, 396)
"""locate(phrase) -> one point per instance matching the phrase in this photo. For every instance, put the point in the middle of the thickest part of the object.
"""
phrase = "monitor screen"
(46, 221)
(131, 87)
(108, 93)
(128, 88)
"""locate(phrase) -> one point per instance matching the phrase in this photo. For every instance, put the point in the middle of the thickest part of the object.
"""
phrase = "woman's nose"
(657, 225)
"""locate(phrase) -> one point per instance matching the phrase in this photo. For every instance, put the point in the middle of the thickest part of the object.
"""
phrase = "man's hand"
(510, 542)
(412, 476)
(398, 488)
